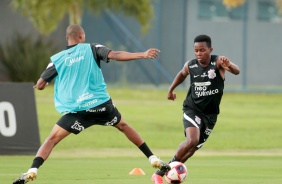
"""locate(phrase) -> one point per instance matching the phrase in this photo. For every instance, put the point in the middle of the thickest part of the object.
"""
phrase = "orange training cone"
(137, 171)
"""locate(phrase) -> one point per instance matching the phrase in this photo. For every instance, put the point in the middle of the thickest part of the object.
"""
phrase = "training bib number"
(8, 123)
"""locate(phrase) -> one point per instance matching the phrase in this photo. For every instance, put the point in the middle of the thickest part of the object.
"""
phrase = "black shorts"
(205, 123)
(105, 114)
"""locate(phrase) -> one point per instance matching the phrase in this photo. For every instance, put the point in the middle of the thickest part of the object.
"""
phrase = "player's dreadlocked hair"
(203, 38)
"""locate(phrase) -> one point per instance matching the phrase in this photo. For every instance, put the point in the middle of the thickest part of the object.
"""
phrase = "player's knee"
(192, 142)
(122, 125)
(53, 140)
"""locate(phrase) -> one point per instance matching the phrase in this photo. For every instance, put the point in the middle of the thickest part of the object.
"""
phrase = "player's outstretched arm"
(151, 53)
(41, 84)
(179, 78)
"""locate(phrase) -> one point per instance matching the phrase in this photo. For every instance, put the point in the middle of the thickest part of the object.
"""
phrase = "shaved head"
(73, 31)
(204, 38)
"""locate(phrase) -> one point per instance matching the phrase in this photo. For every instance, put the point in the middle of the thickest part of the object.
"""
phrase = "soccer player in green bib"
(80, 95)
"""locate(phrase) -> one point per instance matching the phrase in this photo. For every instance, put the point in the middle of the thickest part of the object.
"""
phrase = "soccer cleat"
(157, 179)
(26, 177)
(159, 164)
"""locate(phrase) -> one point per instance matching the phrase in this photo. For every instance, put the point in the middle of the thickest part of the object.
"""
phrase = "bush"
(25, 59)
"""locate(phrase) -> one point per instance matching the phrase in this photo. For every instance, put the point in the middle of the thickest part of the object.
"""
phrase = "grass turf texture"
(202, 170)
(245, 146)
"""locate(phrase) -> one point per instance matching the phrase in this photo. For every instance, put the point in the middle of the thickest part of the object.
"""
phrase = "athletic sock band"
(161, 173)
(174, 159)
(146, 150)
(37, 162)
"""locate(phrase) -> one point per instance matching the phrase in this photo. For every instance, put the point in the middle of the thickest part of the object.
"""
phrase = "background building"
(249, 35)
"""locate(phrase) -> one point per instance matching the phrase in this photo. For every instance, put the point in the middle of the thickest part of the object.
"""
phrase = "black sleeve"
(101, 52)
(49, 73)
(214, 58)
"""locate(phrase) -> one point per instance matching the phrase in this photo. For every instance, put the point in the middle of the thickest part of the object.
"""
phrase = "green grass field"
(245, 146)
(202, 170)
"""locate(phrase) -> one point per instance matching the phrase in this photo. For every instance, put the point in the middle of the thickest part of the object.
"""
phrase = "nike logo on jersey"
(204, 75)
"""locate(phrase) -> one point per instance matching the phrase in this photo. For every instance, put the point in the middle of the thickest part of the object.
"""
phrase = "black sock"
(174, 159)
(146, 150)
(161, 173)
(37, 162)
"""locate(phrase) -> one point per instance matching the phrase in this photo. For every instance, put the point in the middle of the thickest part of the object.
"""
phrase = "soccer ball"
(177, 173)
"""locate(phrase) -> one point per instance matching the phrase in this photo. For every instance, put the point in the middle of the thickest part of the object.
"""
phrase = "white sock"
(153, 159)
(34, 170)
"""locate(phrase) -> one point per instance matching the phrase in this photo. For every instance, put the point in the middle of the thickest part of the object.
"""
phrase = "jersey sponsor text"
(70, 61)
(84, 97)
(206, 93)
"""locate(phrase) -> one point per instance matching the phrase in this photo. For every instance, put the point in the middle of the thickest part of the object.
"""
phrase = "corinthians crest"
(211, 74)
